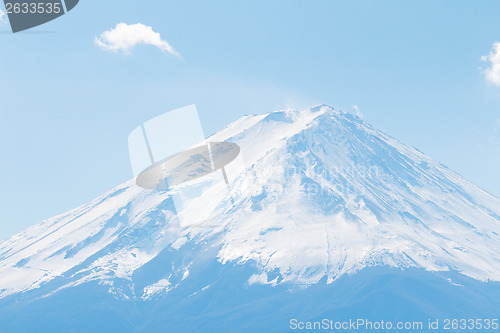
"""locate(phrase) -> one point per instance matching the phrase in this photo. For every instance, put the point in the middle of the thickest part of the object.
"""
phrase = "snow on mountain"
(322, 194)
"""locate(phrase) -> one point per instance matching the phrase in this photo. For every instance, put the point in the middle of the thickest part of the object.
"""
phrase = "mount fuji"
(330, 218)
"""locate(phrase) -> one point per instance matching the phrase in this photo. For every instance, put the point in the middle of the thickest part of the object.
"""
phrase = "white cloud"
(2, 19)
(124, 37)
(492, 73)
(358, 113)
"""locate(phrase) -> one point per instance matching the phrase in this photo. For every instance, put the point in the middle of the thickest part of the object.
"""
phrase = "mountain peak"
(323, 108)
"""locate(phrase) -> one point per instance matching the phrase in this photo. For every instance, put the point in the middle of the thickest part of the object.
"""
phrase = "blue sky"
(414, 69)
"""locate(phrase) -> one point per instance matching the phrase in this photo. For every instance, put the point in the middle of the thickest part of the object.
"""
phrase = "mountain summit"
(323, 194)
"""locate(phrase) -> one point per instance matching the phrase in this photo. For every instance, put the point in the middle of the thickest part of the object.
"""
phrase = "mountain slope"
(323, 194)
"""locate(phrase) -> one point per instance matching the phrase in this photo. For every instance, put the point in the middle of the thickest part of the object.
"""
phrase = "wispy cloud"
(124, 37)
(492, 73)
(494, 136)
(2, 18)
(358, 113)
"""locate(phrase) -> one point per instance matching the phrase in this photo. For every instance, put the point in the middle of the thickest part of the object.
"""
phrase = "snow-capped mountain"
(323, 194)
